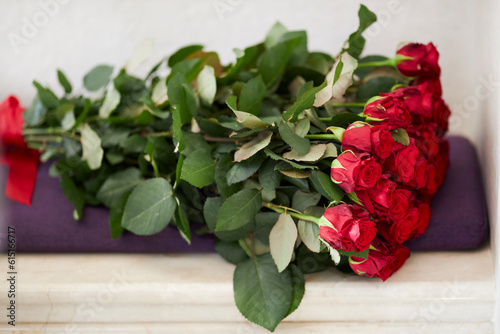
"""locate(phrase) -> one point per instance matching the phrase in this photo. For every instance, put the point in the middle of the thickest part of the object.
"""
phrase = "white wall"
(82, 34)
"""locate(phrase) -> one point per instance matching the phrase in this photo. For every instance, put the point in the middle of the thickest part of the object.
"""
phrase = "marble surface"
(442, 292)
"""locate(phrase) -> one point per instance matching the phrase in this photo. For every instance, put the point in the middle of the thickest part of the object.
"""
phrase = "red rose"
(425, 215)
(11, 122)
(432, 182)
(351, 171)
(430, 95)
(395, 108)
(357, 137)
(369, 173)
(383, 260)
(420, 179)
(402, 229)
(426, 140)
(345, 169)
(400, 203)
(350, 229)
(405, 161)
(423, 62)
(382, 141)
(441, 163)
(441, 114)
(380, 197)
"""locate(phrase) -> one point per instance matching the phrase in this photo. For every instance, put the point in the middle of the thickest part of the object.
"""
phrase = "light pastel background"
(75, 35)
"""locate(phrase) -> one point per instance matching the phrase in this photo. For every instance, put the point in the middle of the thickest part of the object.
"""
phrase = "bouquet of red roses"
(390, 167)
(282, 155)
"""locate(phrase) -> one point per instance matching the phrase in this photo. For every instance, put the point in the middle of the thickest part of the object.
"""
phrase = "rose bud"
(357, 137)
(420, 178)
(383, 260)
(369, 173)
(395, 108)
(400, 203)
(405, 161)
(355, 171)
(380, 197)
(441, 114)
(11, 123)
(382, 141)
(423, 62)
(432, 182)
(402, 229)
(425, 215)
(345, 169)
(347, 227)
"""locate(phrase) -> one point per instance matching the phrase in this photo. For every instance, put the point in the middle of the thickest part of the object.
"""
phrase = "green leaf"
(35, 112)
(375, 87)
(305, 101)
(315, 153)
(274, 35)
(46, 96)
(251, 95)
(302, 127)
(230, 251)
(299, 144)
(298, 288)
(149, 208)
(356, 40)
(239, 210)
(250, 148)
(401, 136)
(249, 56)
(92, 151)
(183, 53)
(324, 185)
(363, 254)
(264, 223)
(193, 142)
(257, 282)
(295, 173)
(210, 213)
(135, 143)
(181, 95)
(243, 170)
(269, 177)
(274, 156)
(222, 166)
(309, 234)
(116, 213)
(64, 82)
(117, 184)
(248, 120)
(282, 241)
(97, 78)
(207, 85)
(189, 69)
(199, 168)
(177, 128)
(73, 194)
(160, 92)
(302, 200)
(345, 119)
(111, 101)
(273, 61)
(180, 219)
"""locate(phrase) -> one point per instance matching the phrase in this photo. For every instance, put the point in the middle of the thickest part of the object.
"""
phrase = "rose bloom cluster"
(391, 168)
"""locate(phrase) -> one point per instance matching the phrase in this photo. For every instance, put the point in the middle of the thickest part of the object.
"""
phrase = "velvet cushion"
(459, 219)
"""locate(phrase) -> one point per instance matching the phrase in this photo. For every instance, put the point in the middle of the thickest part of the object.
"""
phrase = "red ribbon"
(14, 153)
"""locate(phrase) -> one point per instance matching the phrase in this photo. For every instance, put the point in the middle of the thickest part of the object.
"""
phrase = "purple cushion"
(458, 222)
(459, 216)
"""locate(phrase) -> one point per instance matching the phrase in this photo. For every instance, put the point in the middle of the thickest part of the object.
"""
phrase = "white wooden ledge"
(442, 292)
